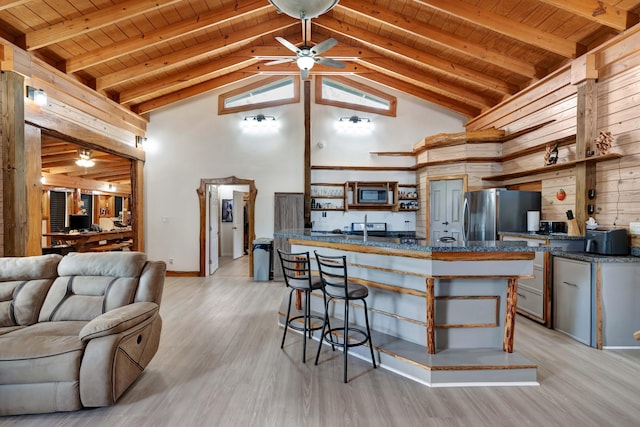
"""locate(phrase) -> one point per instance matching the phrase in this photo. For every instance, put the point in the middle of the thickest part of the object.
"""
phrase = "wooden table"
(86, 242)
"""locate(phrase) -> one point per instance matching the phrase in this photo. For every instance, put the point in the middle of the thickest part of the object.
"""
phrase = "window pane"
(335, 91)
(282, 89)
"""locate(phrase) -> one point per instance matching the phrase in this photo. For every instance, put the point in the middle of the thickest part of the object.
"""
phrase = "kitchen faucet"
(364, 232)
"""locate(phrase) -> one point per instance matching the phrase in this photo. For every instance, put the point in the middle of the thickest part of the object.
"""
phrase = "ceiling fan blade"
(304, 74)
(280, 61)
(329, 62)
(324, 46)
(286, 43)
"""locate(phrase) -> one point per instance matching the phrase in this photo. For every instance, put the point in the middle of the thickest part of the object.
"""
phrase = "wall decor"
(227, 210)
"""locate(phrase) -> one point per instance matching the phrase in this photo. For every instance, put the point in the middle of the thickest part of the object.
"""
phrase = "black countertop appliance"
(607, 241)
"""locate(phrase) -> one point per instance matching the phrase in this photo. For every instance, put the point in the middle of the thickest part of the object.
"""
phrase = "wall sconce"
(140, 142)
(112, 187)
(39, 96)
(355, 124)
(43, 180)
(259, 123)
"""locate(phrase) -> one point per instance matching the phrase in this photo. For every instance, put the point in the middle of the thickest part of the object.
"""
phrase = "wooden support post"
(137, 205)
(585, 135)
(431, 338)
(307, 153)
(510, 316)
(21, 211)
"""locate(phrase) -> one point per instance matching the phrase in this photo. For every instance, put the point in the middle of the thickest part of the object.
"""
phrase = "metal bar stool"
(336, 286)
(296, 268)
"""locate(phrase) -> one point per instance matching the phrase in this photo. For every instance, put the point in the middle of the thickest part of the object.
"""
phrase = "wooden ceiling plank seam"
(192, 53)
(442, 38)
(413, 54)
(604, 13)
(170, 32)
(92, 21)
(166, 84)
(504, 26)
(213, 84)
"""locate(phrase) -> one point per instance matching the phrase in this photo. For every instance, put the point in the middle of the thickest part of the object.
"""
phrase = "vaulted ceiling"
(465, 55)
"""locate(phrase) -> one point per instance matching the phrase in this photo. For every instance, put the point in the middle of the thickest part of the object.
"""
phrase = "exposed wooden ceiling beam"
(604, 13)
(428, 60)
(181, 79)
(191, 91)
(92, 21)
(227, 13)
(195, 52)
(444, 39)
(505, 26)
(392, 68)
(423, 94)
(8, 4)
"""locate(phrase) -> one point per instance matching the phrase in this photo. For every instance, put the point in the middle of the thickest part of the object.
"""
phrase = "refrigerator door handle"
(466, 219)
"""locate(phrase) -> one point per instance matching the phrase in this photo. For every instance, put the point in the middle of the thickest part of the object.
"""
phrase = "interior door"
(214, 229)
(445, 214)
(238, 224)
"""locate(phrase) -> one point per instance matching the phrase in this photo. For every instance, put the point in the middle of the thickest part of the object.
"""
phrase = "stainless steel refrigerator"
(489, 212)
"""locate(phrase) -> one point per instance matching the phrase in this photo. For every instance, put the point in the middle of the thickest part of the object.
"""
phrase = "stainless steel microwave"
(373, 195)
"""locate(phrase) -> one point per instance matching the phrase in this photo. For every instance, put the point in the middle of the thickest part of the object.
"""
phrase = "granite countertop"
(581, 256)
(414, 243)
(551, 236)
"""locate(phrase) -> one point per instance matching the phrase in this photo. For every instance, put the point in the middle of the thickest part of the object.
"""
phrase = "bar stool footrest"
(295, 321)
(331, 334)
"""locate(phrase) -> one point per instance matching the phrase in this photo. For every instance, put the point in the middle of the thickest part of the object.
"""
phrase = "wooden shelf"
(551, 168)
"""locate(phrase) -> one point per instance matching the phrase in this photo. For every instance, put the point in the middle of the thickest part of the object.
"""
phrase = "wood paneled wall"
(615, 69)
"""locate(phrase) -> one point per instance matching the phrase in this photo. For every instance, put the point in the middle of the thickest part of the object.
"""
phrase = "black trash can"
(262, 259)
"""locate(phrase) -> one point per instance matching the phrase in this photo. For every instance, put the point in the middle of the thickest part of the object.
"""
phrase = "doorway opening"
(209, 209)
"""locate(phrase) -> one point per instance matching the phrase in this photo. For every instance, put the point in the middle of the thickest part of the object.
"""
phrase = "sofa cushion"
(24, 283)
(90, 284)
(41, 354)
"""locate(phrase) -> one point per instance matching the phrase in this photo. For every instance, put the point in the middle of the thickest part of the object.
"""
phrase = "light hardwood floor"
(220, 364)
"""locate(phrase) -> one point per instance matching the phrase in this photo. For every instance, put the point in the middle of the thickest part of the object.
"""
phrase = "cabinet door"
(572, 298)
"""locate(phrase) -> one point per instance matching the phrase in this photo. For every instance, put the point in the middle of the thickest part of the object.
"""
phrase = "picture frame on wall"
(227, 210)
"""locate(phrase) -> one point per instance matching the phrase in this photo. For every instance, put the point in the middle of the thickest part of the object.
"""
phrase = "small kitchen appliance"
(605, 241)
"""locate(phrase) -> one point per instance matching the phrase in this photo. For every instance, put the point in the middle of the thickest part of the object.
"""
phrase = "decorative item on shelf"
(551, 155)
(561, 194)
(604, 141)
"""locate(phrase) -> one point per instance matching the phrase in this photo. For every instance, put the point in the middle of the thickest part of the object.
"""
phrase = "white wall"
(189, 141)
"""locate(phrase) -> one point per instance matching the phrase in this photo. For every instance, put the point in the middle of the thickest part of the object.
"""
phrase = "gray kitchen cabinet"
(619, 300)
(572, 298)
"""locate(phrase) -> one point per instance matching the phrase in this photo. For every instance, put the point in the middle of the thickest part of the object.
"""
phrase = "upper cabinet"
(364, 195)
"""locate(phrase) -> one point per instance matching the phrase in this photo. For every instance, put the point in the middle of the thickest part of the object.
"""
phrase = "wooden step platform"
(446, 368)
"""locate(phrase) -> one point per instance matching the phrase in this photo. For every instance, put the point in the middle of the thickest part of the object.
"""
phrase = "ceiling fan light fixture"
(85, 163)
(304, 9)
(305, 62)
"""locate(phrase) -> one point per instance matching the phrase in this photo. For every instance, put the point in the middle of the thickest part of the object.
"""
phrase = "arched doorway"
(202, 194)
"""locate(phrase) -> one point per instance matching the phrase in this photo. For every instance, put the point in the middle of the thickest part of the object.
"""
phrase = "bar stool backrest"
(333, 274)
(296, 268)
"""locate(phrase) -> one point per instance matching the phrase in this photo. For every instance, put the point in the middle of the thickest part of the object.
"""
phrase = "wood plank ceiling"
(465, 55)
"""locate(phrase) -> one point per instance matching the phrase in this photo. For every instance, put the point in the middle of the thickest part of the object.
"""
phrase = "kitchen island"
(443, 312)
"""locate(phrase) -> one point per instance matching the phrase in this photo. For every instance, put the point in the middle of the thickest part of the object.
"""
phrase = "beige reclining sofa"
(76, 331)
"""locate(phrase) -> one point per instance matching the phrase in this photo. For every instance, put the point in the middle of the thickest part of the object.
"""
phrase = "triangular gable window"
(268, 92)
(342, 92)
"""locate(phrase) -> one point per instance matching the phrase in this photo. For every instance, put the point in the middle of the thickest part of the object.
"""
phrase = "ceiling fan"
(85, 158)
(306, 56)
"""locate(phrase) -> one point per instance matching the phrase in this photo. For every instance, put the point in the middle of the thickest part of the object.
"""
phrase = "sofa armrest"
(119, 320)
